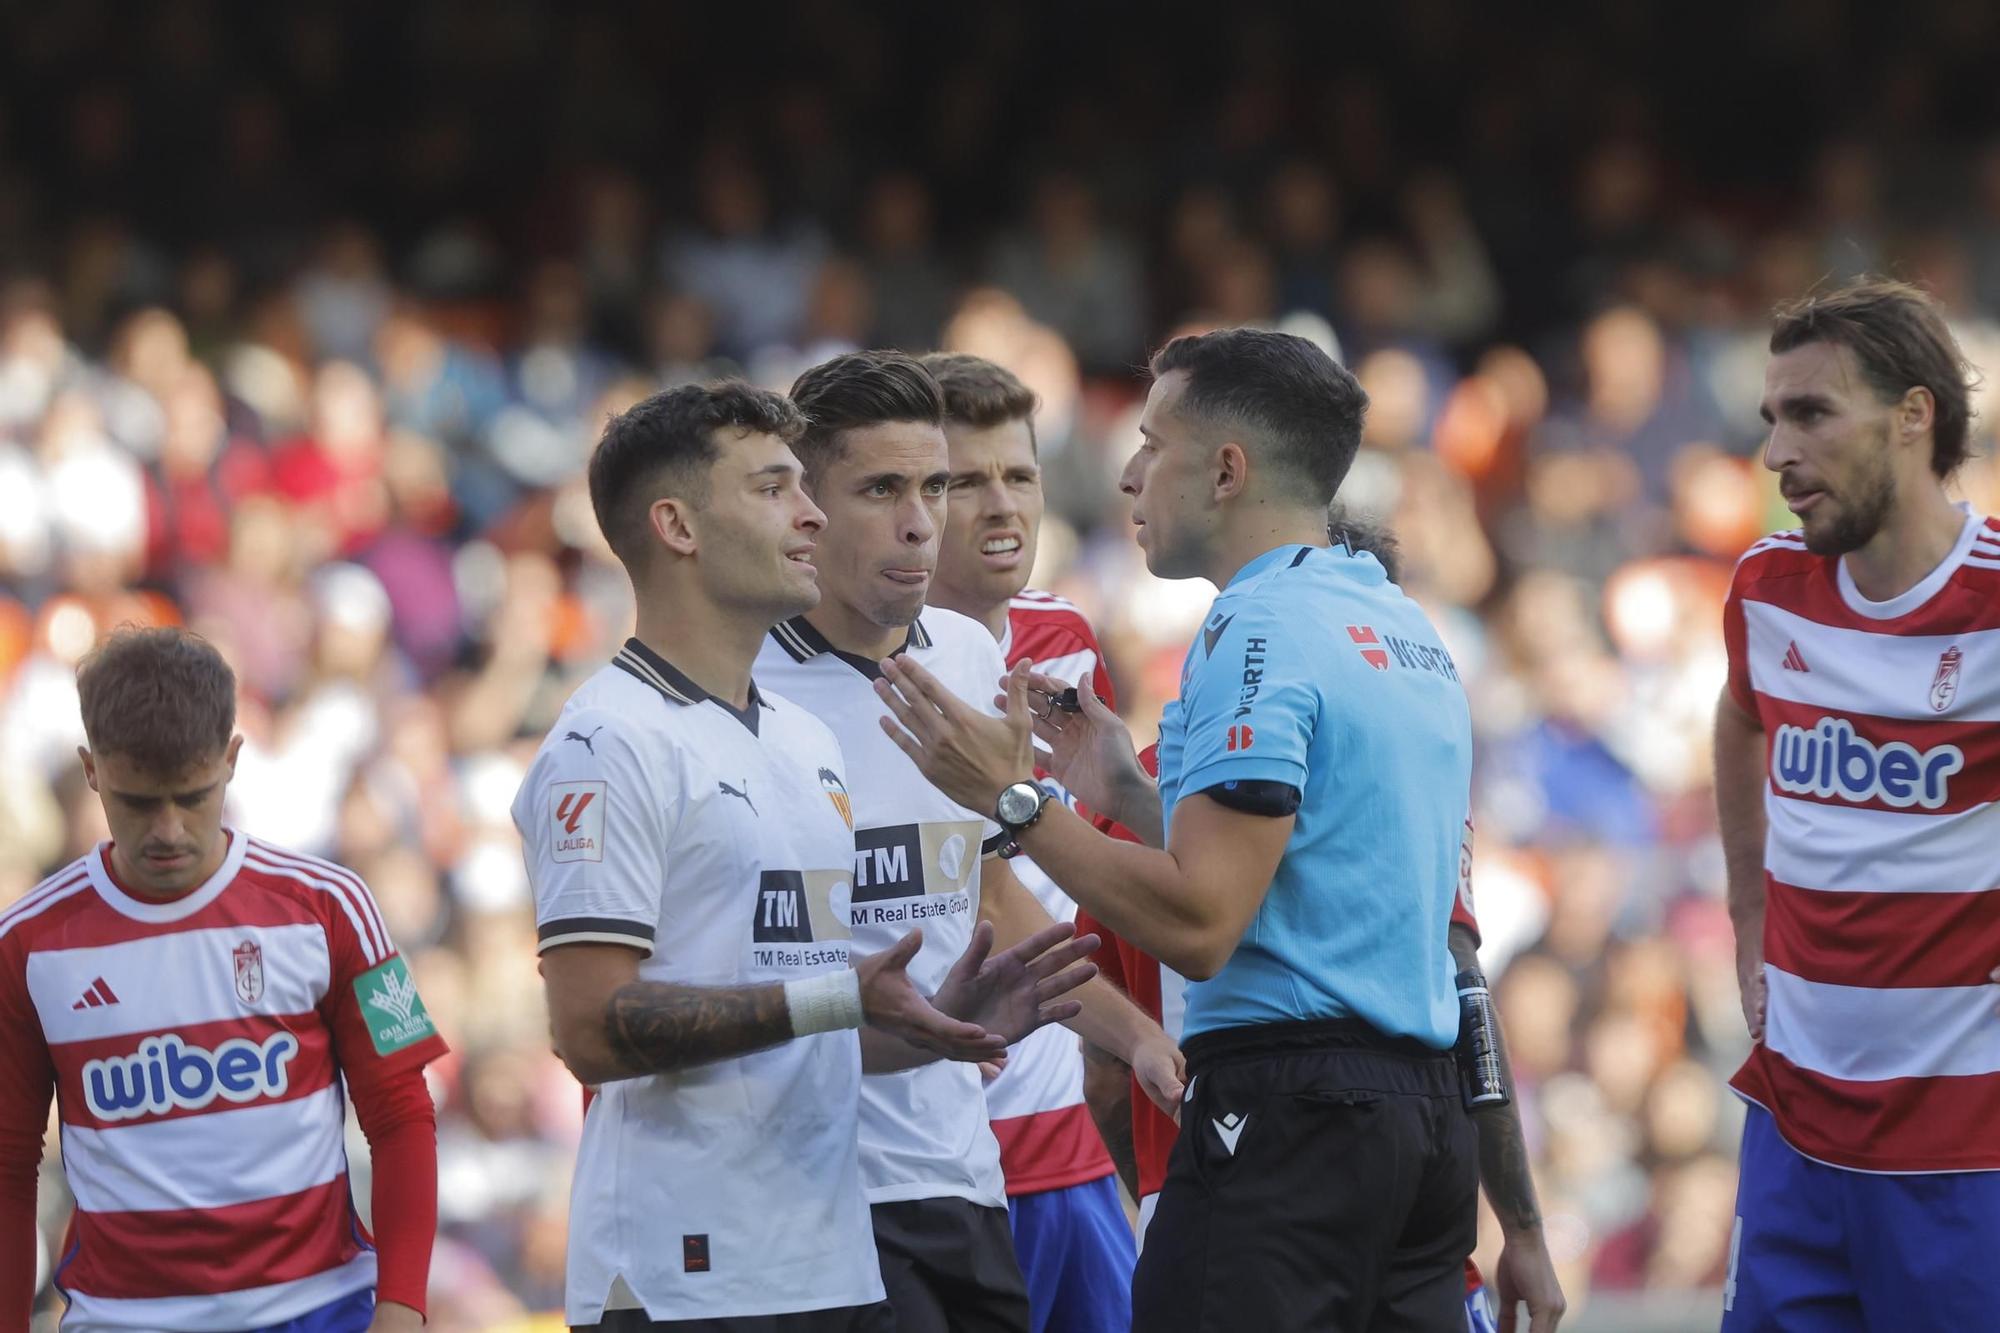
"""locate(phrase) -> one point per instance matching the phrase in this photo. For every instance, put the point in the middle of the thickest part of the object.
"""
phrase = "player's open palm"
(891, 1002)
(1089, 751)
(1015, 992)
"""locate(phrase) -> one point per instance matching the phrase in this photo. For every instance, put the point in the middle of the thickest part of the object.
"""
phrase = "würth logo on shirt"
(1241, 737)
(1369, 645)
(97, 996)
(1794, 660)
(576, 809)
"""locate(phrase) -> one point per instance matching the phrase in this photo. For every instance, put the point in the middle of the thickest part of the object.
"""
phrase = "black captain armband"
(1257, 796)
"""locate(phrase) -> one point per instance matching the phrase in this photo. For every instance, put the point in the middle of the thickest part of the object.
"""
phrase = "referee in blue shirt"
(1314, 781)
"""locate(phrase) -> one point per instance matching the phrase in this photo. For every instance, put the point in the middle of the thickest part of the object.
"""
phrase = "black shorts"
(1325, 1179)
(949, 1267)
(876, 1318)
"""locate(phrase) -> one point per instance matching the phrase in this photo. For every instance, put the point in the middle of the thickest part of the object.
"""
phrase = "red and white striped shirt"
(1881, 1050)
(1047, 1138)
(196, 1048)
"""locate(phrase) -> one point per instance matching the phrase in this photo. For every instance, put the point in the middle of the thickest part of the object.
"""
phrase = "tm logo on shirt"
(393, 1010)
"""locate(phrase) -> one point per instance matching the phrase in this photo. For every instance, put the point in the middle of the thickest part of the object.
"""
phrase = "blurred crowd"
(309, 318)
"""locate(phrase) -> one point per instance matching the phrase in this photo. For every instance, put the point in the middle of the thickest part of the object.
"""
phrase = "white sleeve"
(594, 826)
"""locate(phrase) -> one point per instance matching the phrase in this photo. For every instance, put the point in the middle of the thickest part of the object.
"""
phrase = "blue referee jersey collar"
(1291, 552)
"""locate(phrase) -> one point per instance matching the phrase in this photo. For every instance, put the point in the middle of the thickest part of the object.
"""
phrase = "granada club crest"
(836, 791)
(249, 957)
(1944, 685)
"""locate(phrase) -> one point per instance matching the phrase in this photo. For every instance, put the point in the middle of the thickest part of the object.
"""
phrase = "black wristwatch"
(1021, 805)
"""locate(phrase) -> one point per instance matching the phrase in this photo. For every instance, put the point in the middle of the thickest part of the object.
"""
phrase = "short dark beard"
(1860, 516)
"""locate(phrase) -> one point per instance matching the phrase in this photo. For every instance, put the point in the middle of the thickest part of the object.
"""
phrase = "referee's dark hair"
(665, 444)
(1899, 336)
(860, 389)
(1358, 532)
(1300, 409)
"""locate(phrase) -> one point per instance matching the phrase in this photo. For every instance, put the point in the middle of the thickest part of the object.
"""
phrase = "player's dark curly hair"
(665, 446)
(1898, 334)
(1293, 407)
(1358, 532)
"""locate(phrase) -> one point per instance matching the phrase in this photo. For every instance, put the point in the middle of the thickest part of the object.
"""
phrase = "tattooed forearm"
(1503, 1147)
(653, 1027)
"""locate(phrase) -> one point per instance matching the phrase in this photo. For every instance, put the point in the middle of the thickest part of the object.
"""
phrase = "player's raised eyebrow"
(786, 469)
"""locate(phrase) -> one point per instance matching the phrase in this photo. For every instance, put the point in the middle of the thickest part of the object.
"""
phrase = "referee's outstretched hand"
(1090, 750)
(1015, 992)
(891, 1002)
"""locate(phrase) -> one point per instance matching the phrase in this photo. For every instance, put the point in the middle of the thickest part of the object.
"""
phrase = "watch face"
(1019, 802)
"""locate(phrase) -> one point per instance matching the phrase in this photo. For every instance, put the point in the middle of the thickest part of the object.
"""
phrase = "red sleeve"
(1109, 965)
(27, 1081)
(401, 1124)
(1461, 902)
(1735, 638)
(377, 1019)
(1100, 675)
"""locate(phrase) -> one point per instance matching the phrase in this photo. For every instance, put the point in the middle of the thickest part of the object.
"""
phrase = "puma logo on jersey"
(743, 795)
(167, 1073)
(579, 736)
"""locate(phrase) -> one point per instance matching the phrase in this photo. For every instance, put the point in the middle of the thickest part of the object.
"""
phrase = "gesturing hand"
(1090, 752)
(966, 754)
(891, 1002)
(1015, 992)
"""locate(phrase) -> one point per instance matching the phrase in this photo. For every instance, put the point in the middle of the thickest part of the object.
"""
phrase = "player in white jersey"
(1857, 771)
(690, 842)
(877, 463)
(203, 1005)
(1070, 1234)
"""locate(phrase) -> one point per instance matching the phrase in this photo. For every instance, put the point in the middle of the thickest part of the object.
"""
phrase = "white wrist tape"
(825, 1003)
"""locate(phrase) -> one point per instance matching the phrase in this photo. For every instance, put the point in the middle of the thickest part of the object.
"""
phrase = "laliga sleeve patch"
(392, 1008)
(576, 816)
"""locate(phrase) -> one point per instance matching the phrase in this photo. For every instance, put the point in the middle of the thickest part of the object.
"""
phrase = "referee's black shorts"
(1325, 1179)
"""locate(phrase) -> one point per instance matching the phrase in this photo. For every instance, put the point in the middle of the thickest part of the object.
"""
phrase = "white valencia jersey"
(916, 863)
(718, 844)
(1882, 862)
(198, 1048)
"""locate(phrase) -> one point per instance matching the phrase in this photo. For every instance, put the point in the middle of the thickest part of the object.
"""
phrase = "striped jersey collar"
(636, 659)
(798, 638)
